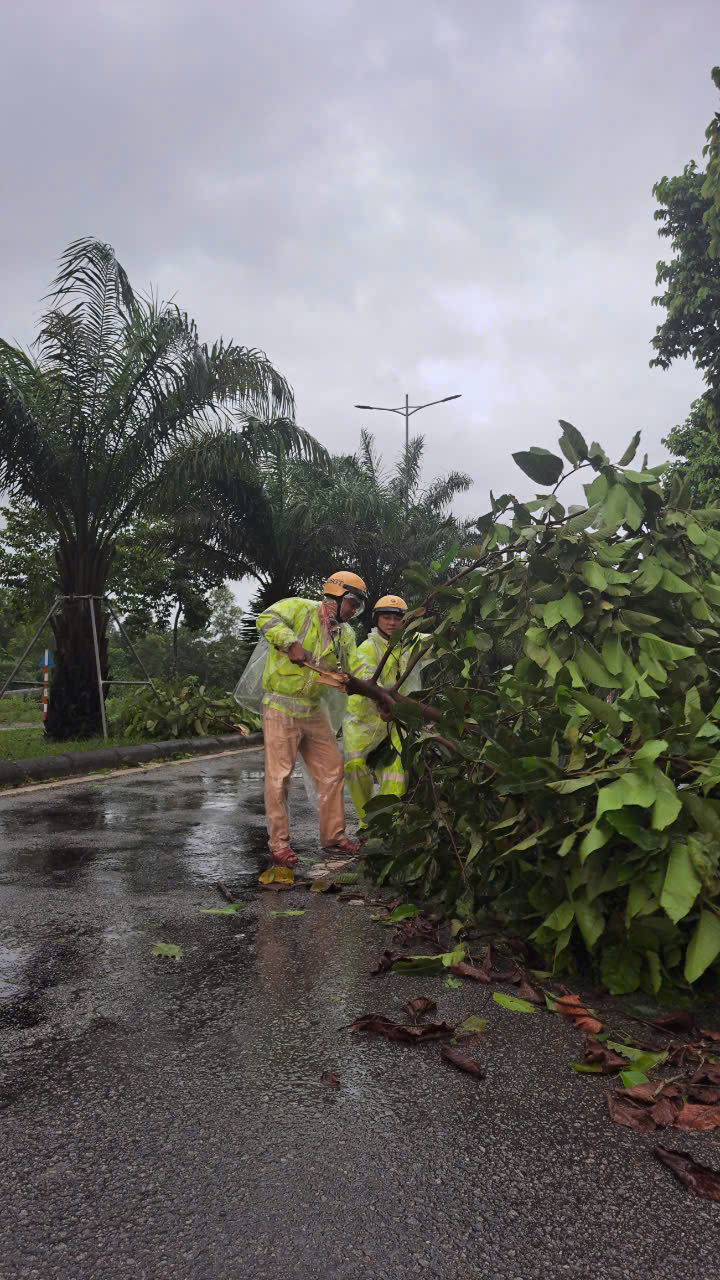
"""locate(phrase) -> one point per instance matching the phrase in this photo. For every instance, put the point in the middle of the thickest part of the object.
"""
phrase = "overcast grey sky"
(385, 195)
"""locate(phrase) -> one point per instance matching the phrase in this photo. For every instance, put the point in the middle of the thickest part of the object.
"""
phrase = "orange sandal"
(343, 846)
(284, 857)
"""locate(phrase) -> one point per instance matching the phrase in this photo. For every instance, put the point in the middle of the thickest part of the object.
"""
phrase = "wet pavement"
(163, 1119)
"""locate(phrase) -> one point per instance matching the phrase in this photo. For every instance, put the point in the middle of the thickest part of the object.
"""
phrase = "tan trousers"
(314, 739)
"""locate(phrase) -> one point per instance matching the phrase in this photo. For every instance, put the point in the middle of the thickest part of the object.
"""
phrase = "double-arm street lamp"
(407, 410)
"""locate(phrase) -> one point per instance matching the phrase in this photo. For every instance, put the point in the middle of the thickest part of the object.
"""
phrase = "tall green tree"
(117, 401)
(689, 217)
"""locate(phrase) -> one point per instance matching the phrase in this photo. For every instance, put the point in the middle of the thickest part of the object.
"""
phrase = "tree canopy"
(117, 407)
(572, 793)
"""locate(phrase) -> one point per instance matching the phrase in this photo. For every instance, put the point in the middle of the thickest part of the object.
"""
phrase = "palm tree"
(366, 507)
(116, 406)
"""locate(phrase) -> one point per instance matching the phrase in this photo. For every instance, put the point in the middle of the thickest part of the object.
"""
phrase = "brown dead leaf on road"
(419, 1006)
(329, 1077)
(377, 1024)
(588, 1024)
(709, 1035)
(697, 1178)
(386, 961)
(698, 1116)
(676, 1020)
(324, 886)
(468, 1037)
(704, 1093)
(707, 1073)
(630, 1114)
(462, 1062)
(571, 1008)
(665, 1111)
(596, 1054)
(649, 1092)
(569, 1003)
(464, 970)
(526, 992)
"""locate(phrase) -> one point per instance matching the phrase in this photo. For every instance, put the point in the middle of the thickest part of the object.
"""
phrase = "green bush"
(177, 711)
(590, 826)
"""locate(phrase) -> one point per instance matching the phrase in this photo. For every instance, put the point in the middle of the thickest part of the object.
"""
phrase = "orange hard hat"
(342, 582)
(390, 604)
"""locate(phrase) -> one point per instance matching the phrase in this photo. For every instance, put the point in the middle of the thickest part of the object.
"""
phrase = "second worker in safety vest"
(293, 717)
(363, 727)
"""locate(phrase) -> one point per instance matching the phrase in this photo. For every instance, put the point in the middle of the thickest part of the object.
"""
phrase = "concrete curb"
(16, 773)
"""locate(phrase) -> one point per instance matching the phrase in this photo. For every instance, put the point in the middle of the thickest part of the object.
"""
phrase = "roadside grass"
(20, 711)
(21, 744)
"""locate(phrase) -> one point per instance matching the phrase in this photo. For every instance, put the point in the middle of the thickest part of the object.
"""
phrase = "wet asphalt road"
(162, 1119)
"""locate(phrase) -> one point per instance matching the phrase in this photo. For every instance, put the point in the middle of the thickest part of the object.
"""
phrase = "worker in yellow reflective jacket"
(363, 727)
(299, 630)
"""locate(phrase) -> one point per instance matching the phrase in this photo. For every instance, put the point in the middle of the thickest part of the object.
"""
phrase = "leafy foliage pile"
(178, 711)
(591, 825)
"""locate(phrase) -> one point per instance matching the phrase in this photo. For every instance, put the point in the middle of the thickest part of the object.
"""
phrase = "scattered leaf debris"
(696, 1177)
(167, 950)
(377, 1024)
(462, 1062)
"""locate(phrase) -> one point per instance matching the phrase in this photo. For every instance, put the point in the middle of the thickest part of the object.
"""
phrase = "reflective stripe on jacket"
(291, 688)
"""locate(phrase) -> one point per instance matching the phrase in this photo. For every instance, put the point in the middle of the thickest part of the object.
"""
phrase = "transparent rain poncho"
(249, 695)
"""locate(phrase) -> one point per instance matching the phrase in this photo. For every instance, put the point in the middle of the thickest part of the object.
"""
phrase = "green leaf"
(591, 921)
(453, 982)
(513, 1003)
(568, 609)
(592, 668)
(654, 970)
(560, 918)
(586, 1068)
(168, 950)
(428, 964)
(631, 450)
(704, 946)
(651, 749)
(677, 586)
(572, 443)
(594, 575)
(696, 535)
(231, 910)
(288, 912)
(540, 465)
(583, 519)
(631, 788)
(664, 650)
(682, 884)
(612, 654)
(632, 1077)
(620, 970)
(472, 1023)
(603, 711)
(668, 803)
(614, 507)
(404, 912)
(644, 1061)
(651, 573)
(595, 839)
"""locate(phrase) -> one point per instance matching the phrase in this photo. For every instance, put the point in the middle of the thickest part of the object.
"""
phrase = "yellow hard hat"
(390, 604)
(342, 582)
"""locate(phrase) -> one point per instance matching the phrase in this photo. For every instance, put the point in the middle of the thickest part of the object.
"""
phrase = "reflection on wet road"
(166, 1119)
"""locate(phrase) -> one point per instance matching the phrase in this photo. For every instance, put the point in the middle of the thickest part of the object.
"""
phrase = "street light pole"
(407, 410)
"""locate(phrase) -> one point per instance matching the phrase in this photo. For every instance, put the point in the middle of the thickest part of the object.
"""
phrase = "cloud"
(422, 197)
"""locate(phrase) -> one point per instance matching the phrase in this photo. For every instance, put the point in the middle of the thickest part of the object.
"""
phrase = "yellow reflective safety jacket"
(291, 688)
(369, 654)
